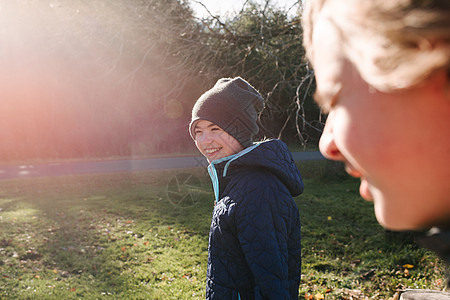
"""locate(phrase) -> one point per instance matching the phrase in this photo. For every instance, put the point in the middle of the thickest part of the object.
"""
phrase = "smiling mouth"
(352, 172)
(211, 151)
(364, 190)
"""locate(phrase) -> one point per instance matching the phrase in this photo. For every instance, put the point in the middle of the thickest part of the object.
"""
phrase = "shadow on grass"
(135, 236)
(99, 235)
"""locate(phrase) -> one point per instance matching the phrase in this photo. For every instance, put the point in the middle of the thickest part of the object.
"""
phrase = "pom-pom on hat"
(232, 104)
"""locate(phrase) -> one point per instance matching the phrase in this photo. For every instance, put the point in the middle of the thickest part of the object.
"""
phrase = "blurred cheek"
(198, 145)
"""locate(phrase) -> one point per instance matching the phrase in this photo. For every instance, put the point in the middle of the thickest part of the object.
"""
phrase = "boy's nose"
(327, 144)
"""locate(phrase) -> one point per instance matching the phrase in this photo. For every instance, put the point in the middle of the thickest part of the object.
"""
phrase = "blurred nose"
(327, 145)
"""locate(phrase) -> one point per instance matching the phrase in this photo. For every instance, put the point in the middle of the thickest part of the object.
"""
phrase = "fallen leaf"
(408, 266)
(319, 296)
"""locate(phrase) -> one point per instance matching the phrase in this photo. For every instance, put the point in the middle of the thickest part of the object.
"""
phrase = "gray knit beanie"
(232, 104)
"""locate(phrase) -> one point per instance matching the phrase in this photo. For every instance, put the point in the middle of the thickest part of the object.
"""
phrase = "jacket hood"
(272, 156)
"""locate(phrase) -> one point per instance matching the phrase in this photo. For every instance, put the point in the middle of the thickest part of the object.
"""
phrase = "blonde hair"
(393, 44)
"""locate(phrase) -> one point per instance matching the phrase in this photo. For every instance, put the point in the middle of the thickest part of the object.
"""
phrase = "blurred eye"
(325, 109)
(326, 103)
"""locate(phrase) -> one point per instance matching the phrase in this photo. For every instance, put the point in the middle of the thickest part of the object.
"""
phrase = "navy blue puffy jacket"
(254, 241)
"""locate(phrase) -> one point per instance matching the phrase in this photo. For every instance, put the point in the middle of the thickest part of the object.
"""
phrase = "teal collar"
(213, 171)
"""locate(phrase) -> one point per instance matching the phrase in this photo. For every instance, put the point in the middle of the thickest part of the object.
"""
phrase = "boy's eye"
(326, 104)
(215, 129)
(325, 109)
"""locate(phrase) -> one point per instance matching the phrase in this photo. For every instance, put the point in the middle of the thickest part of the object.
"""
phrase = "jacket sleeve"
(262, 223)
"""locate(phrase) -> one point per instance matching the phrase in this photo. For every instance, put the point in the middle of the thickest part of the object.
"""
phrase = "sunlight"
(22, 214)
(77, 77)
(224, 8)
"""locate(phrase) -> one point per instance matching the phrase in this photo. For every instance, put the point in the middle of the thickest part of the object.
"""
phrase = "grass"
(131, 236)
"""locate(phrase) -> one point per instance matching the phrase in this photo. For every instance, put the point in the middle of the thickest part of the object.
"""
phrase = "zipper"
(213, 172)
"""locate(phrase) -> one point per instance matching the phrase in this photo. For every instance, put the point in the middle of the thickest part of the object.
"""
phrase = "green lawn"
(131, 236)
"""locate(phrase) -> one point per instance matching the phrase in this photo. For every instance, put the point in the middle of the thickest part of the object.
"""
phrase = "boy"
(382, 72)
(254, 242)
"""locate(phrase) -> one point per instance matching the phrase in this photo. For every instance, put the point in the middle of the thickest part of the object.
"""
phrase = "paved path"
(110, 166)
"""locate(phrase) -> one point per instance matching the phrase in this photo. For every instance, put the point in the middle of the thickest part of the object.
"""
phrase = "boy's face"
(213, 142)
(397, 143)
